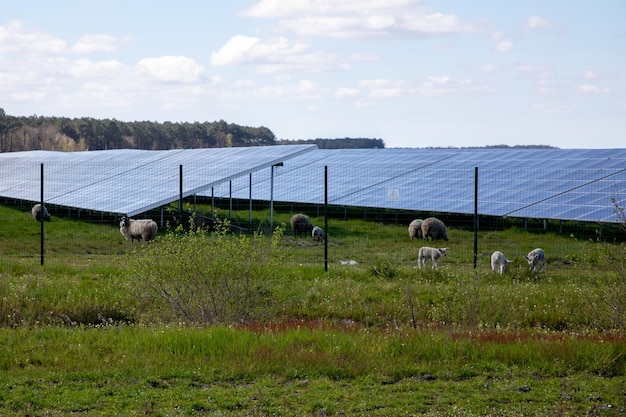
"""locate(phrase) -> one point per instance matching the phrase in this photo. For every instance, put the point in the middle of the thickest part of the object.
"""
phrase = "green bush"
(207, 278)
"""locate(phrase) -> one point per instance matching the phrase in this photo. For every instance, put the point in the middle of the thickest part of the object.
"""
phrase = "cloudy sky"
(415, 73)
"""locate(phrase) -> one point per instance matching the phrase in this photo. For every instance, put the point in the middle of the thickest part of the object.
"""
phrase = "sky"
(415, 73)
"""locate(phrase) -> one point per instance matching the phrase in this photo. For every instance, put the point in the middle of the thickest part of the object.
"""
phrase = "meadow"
(98, 329)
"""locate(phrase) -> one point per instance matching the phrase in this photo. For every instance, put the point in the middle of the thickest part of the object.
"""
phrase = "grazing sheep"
(38, 212)
(132, 229)
(536, 260)
(318, 234)
(415, 229)
(499, 262)
(434, 228)
(301, 225)
(426, 252)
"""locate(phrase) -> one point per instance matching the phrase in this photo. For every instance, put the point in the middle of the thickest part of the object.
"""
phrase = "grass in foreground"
(307, 369)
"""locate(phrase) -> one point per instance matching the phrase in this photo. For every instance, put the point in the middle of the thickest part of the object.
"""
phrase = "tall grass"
(375, 338)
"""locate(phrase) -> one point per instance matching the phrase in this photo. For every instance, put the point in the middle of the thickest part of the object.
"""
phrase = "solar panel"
(567, 184)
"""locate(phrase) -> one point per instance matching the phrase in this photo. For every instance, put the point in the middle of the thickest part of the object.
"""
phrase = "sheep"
(318, 234)
(301, 225)
(434, 228)
(132, 229)
(536, 260)
(415, 229)
(499, 262)
(426, 252)
(38, 211)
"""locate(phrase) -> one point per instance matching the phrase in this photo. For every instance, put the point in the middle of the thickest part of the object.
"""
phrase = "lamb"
(318, 234)
(499, 262)
(38, 211)
(536, 260)
(144, 229)
(434, 228)
(415, 229)
(426, 252)
(301, 225)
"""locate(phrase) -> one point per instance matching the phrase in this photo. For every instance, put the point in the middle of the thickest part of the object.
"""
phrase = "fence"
(355, 203)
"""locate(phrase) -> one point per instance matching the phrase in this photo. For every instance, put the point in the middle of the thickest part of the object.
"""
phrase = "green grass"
(377, 338)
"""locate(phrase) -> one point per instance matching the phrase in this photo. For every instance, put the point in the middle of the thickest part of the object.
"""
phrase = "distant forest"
(81, 134)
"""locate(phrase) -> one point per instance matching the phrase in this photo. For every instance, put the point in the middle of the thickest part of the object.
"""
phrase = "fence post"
(180, 193)
(475, 215)
(41, 216)
(250, 201)
(326, 217)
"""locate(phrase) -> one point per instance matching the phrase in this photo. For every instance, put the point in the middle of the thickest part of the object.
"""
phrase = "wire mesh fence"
(365, 209)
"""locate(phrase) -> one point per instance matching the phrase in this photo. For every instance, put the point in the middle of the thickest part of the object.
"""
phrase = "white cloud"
(275, 55)
(593, 89)
(95, 43)
(357, 19)
(287, 8)
(15, 38)
(86, 68)
(504, 45)
(434, 86)
(172, 68)
(239, 49)
(537, 22)
(341, 93)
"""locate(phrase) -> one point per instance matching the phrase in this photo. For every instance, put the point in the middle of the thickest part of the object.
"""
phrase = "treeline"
(82, 134)
(65, 134)
(344, 143)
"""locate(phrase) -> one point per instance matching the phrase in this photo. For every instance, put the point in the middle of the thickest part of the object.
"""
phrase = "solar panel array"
(575, 184)
(129, 181)
(567, 184)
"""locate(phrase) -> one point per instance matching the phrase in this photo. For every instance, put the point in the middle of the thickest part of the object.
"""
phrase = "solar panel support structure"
(41, 216)
(475, 215)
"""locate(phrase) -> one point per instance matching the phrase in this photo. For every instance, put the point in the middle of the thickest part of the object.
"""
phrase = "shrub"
(207, 278)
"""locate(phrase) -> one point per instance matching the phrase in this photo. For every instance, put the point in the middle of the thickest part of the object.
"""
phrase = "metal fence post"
(41, 216)
(475, 216)
(326, 218)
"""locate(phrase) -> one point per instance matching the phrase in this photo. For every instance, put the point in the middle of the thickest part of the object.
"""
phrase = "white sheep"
(426, 252)
(144, 229)
(499, 262)
(318, 234)
(38, 211)
(536, 260)
(415, 229)
(301, 225)
(434, 228)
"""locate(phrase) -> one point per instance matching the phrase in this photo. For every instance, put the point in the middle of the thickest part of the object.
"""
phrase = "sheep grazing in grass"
(318, 234)
(499, 262)
(426, 252)
(434, 228)
(144, 229)
(40, 213)
(415, 229)
(301, 225)
(536, 260)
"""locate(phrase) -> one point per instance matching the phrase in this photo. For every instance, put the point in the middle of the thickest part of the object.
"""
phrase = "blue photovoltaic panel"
(568, 184)
(543, 183)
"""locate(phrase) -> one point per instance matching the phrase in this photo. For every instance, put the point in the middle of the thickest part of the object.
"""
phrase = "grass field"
(84, 334)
